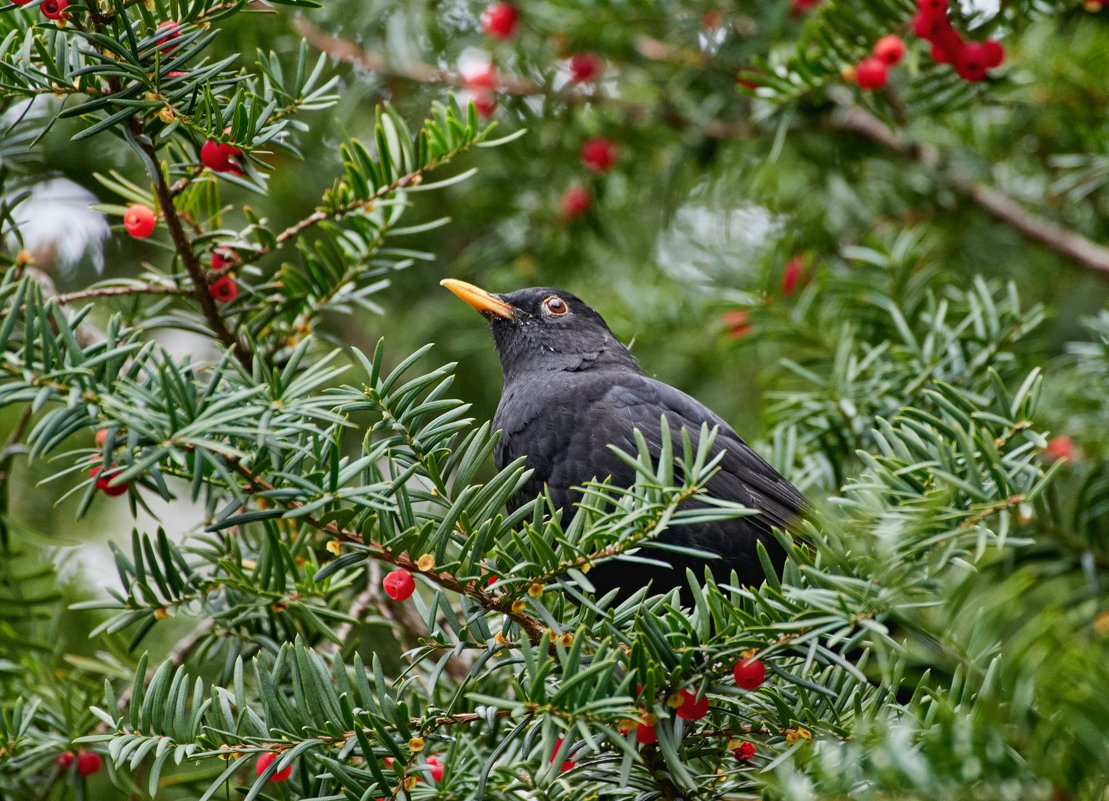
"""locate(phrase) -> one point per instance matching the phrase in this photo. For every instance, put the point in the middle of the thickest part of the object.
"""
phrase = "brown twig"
(375, 550)
(999, 205)
(348, 51)
(116, 291)
(193, 266)
(86, 333)
(176, 658)
(400, 615)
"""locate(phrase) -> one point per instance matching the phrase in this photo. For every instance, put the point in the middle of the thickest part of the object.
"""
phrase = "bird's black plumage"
(571, 389)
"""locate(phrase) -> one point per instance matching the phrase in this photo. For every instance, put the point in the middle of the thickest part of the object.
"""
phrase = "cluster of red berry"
(972, 60)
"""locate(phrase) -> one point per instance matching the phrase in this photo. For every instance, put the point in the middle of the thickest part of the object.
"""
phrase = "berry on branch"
(267, 759)
(575, 203)
(139, 221)
(586, 67)
(499, 20)
(399, 585)
(889, 49)
(692, 708)
(104, 479)
(599, 154)
(871, 73)
(54, 9)
(88, 763)
(749, 673)
(223, 289)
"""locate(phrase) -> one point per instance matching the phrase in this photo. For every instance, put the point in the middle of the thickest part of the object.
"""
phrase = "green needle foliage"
(940, 629)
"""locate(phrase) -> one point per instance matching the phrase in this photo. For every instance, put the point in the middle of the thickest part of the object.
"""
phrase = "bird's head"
(544, 329)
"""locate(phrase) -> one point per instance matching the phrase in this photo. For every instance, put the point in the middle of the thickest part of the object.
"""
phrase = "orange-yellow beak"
(478, 299)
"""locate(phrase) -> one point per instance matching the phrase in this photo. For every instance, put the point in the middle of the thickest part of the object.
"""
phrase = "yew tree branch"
(1062, 240)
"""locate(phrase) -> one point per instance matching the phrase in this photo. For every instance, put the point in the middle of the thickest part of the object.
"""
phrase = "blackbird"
(571, 389)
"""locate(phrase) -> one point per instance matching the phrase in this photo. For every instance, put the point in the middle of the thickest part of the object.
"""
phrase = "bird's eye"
(555, 306)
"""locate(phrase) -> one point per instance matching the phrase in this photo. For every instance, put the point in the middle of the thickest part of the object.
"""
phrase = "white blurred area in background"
(59, 228)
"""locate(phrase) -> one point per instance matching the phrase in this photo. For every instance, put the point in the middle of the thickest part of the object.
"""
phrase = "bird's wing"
(638, 402)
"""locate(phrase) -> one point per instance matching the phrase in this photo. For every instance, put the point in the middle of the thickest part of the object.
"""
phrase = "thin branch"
(193, 266)
(375, 550)
(176, 658)
(86, 333)
(117, 291)
(348, 51)
(401, 615)
(1062, 240)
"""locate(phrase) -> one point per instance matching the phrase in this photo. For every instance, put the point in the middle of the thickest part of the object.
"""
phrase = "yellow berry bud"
(425, 563)
(536, 590)
(416, 744)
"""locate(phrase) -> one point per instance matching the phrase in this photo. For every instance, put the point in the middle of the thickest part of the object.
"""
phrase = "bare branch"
(999, 205)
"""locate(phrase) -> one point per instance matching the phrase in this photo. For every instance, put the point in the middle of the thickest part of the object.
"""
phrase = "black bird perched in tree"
(571, 389)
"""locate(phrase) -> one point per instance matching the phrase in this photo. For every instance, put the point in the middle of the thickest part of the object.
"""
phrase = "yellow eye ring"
(555, 306)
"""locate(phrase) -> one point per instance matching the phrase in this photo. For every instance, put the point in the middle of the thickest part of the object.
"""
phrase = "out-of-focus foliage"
(897, 294)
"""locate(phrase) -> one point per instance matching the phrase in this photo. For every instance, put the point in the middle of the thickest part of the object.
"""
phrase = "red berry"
(480, 77)
(799, 7)
(995, 53)
(646, 735)
(566, 765)
(223, 289)
(792, 275)
(139, 221)
(54, 9)
(575, 202)
(101, 438)
(871, 73)
(267, 759)
(585, 67)
(399, 585)
(22, 2)
(104, 479)
(173, 31)
(889, 49)
(88, 763)
(598, 154)
(737, 322)
(946, 46)
(64, 760)
(691, 708)
(749, 673)
(223, 258)
(745, 751)
(932, 6)
(1060, 447)
(711, 20)
(213, 157)
(499, 20)
(929, 25)
(436, 769)
(972, 62)
(485, 102)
